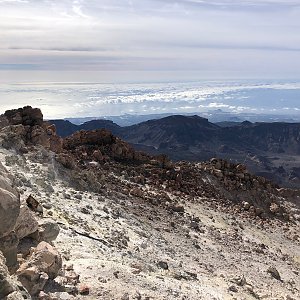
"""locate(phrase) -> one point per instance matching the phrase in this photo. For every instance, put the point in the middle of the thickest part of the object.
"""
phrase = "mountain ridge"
(265, 148)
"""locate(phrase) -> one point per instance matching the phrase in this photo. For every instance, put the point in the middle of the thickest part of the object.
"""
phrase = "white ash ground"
(125, 248)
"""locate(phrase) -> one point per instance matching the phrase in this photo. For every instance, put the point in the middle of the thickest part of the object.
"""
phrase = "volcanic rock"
(44, 263)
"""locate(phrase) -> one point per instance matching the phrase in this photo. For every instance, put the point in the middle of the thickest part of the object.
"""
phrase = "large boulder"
(39, 136)
(9, 203)
(48, 230)
(26, 223)
(25, 126)
(9, 212)
(13, 137)
(44, 263)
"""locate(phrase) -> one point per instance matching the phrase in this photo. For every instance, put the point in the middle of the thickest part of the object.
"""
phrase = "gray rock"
(26, 223)
(9, 207)
(78, 196)
(48, 230)
(8, 246)
(125, 296)
(233, 289)
(47, 205)
(6, 284)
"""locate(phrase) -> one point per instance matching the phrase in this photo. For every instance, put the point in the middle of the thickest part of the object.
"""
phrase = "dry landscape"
(98, 220)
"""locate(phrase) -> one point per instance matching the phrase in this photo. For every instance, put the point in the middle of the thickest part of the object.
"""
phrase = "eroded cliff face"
(136, 226)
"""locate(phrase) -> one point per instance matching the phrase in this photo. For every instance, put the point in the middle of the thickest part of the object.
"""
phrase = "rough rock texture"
(48, 230)
(19, 226)
(28, 128)
(26, 223)
(101, 145)
(6, 284)
(9, 211)
(25, 116)
(9, 204)
(8, 246)
(44, 263)
(10, 289)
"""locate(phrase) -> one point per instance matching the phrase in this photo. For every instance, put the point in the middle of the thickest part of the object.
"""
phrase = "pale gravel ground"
(219, 252)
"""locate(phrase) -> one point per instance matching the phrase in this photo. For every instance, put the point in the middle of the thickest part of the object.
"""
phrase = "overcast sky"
(141, 39)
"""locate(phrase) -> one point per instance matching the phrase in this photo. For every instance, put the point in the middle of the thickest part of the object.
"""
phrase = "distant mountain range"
(214, 116)
(269, 149)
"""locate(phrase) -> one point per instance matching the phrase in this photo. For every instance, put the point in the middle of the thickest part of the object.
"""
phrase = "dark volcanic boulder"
(25, 116)
(99, 137)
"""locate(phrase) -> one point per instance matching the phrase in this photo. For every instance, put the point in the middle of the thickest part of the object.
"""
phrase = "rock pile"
(100, 145)
(98, 152)
(19, 224)
(95, 153)
(256, 194)
(43, 264)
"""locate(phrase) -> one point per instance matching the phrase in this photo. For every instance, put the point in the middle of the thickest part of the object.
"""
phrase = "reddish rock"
(83, 289)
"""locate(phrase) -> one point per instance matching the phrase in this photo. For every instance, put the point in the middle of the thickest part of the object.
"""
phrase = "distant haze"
(148, 40)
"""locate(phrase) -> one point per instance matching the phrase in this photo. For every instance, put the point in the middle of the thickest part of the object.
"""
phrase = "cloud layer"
(216, 38)
(71, 100)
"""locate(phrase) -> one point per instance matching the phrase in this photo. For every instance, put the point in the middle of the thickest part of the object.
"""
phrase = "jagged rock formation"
(26, 127)
(137, 226)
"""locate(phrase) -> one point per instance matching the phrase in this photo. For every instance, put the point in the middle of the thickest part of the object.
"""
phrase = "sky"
(148, 40)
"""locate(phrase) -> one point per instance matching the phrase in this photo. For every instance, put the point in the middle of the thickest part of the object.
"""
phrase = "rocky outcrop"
(25, 127)
(100, 145)
(100, 137)
(25, 116)
(256, 194)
